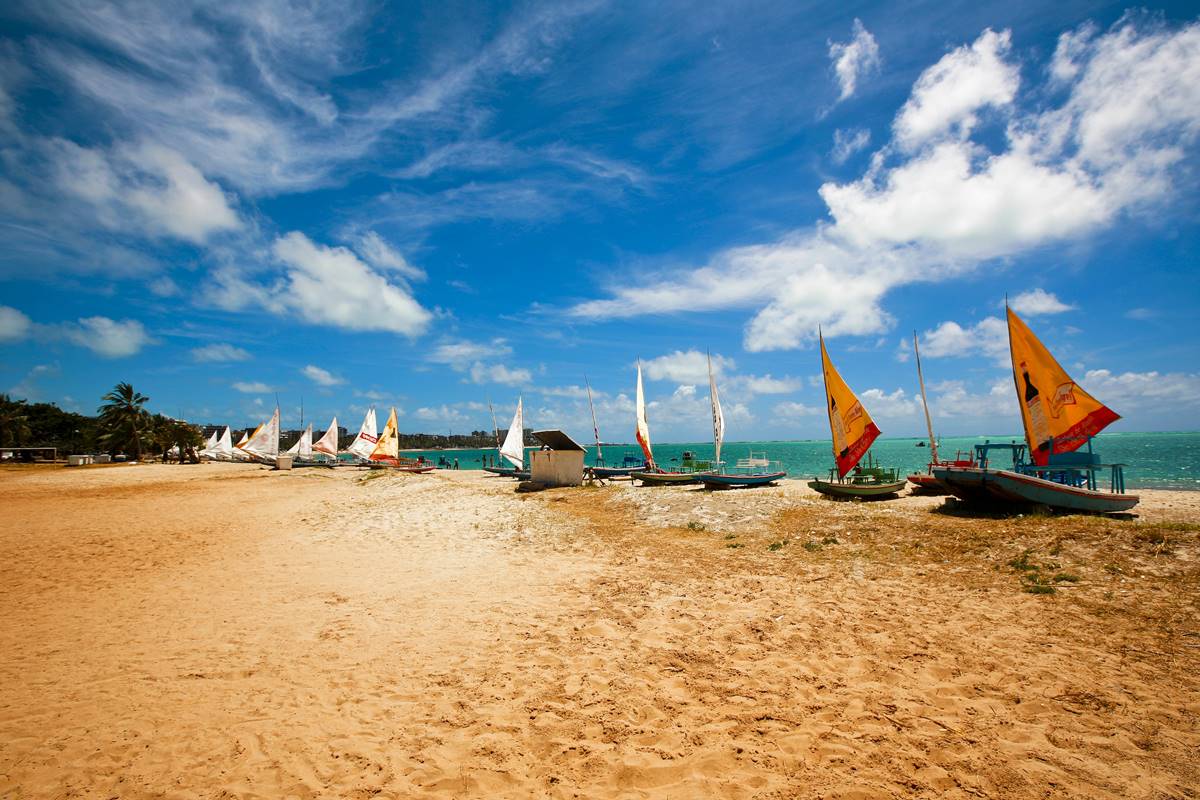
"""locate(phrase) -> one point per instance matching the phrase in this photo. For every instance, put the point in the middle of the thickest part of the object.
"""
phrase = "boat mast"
(495, 425)
(925, 402)
(595, 427)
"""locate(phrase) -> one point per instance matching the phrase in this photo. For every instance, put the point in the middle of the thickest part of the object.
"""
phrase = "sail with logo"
(364, 444)
(1058, 415)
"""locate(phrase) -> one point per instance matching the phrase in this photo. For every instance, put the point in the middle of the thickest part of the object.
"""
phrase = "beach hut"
(559, 462)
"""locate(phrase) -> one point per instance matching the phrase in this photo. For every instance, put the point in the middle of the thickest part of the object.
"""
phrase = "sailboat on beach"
(630, 464)
(653, 475)
(1051, 469)
(513, 449)
(853, 431)
(327, 445)
(364, 443)
(757, 470)
(302, 450)
(924, 482)
(263, 444)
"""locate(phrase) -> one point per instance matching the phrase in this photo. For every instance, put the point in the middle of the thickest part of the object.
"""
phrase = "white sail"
(328, 444)
(514, 443)
(718, 416)
(643, 427)
(239, 453)
(388, 445)
(211, 443)
(265, 441)
(364, 444)
(302, 450)
(223, 449)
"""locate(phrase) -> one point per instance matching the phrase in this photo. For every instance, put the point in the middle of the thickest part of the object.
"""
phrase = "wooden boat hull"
(1013, 488)
(615, 472)
(860, 490)
(715, 480)
(666, 478)
(924, 483)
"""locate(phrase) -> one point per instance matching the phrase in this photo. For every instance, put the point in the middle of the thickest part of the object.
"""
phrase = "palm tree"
(14, 423)
(123, 418)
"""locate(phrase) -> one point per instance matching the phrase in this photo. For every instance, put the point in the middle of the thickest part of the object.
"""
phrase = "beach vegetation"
(812, 546)
(776, 546)
(124, 421)
(14, 422)
(696, 526)
(1066, 577)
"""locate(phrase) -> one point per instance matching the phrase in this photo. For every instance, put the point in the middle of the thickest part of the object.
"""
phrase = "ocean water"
(1153, 460)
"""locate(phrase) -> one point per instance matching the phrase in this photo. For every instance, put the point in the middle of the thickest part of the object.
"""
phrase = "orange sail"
(1058, 415)
(852, 428)
(387, 448)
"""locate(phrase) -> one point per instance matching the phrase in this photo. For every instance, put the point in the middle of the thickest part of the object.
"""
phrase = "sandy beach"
(225, 631)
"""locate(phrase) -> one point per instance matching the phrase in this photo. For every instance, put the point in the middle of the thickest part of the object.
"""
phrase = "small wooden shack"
(559, 462)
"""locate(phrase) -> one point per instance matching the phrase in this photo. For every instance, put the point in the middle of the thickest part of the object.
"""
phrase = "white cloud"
(1038, 302)
(321, 376)
(848, 142)
(381, 255)
(1143, 391)
(932, 207)
(215, 353)
(685, 367)
(461, 353)
(107, 337)
(1141, 314)
(854, 60)
(247, 387)
(791, 410)
(331, 286)
(948, 94)
(442, 413)
(989, 337)
(143, 188)
(750, 385)
(14, 325)
(27, 389)
(893, 405)
(574, 392)
(498, 373)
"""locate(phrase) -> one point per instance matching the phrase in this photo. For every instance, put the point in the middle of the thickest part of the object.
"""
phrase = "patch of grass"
(729, 536)
(696, 526)
(830, 540)
(1022, 563)
(812, 547)
(1066, 577)
(1113, 569)
(1175, 527)
(776, 546)
(735, 545)
(1040, 588)
(372, 475)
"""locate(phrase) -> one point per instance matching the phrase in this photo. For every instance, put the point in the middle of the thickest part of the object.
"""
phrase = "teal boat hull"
(1004, 487)
(716, 480)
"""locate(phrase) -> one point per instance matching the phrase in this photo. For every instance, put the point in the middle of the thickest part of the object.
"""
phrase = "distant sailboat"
(756, 470)
(264, 444)
(302, 450)
(364, 443)
(513, 448)
(223, 449)
(238, 453)
(629, 465)
(328, 444)
(652, 474)
(852, 431)
(924, 482)
(1059, 418)
(387, 447)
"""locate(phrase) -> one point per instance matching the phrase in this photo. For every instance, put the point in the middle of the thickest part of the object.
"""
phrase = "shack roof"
(557, 440)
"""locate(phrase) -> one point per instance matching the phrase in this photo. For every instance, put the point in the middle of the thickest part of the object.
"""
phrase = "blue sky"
(432, 205)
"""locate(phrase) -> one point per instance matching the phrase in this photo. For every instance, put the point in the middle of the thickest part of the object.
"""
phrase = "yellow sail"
(1058, 415)
(388, 446)
(852, 428)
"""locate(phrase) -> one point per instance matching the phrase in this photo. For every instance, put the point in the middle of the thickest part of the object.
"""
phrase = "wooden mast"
(595, 427)
(933, 454)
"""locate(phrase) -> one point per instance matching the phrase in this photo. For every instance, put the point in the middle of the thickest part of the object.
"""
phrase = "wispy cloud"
(854, 60)
(251, 387)
(108, 337)
(14, 325)
(322, 377)
(220, 352)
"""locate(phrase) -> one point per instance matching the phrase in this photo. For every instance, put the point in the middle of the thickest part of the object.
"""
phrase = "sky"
(435, 206)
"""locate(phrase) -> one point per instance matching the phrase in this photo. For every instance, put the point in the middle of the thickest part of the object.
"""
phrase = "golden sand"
(227, 631)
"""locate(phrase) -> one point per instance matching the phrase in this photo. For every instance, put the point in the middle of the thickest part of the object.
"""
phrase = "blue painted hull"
(666, 478)
(715, 480)
(1013, 488)
(616, 472)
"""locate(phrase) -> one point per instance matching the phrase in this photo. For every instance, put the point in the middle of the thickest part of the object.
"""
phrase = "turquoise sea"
(1153, 460)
